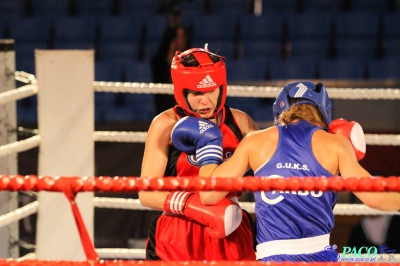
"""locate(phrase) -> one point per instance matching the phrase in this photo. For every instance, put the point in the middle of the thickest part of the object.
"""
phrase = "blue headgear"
(307, 92)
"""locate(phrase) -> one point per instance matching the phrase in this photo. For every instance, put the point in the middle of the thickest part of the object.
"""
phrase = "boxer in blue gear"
(296, 225)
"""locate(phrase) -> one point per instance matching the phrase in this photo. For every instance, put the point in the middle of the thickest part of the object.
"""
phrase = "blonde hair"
(307, 112)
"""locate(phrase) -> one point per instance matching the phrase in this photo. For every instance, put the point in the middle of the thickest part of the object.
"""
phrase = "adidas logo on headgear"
(206, 82)
(302, 89)
(203, 126)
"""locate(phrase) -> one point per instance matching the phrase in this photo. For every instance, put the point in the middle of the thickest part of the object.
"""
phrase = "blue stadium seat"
(342, 69)
(29, 29)
(151, 49)
(267, 26)
(27, 110)
(138, 71)
(293, 69)
(25, 52)
(391, 22)
(50, 8)
(278, 5)
(322, 5)
(74, 32)
(156, 25)
(356, 48)
(105, 101)
(356, 34)
(214, 27)
(29, 34)
(375, 6)
(26, 64)
(135, 7)
(266, 49)
(245, 104)
(118, 114)
(309, 25)
(392, 47)
(11, 9)
(388, 68)
(141, 104)
(74, 45)
(246, 70)
(191, 9)
(107, 71)
(98, 8)
(121, 28)
(356, 25)
(234, 7)
(316, 49)
(3, 26)
(122, 52)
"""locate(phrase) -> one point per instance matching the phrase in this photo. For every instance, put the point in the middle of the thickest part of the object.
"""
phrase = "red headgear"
(205, 77)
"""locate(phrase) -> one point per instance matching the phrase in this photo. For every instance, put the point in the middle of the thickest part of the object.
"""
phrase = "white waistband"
(293, 246)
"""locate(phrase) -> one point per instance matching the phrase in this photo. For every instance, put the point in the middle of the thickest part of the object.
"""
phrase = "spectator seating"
(293, 69)
(342, 69)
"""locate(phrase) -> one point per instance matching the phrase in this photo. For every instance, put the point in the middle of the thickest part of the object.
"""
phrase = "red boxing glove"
(221, 219)
(353, 132)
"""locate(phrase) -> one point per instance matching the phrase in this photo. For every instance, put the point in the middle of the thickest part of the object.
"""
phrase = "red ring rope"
(127, 184)
(11, 262)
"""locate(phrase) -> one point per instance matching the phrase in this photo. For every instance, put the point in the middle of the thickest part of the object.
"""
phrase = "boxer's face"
(203, 103)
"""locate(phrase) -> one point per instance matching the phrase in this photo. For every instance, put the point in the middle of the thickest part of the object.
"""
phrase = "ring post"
(8, 164)
(66, 125)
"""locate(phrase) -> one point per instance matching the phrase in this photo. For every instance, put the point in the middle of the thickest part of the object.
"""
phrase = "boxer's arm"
(235, 166)
(155, 159)
(349, 167)
(220, 219)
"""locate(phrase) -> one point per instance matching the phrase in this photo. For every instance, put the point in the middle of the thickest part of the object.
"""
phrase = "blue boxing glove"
(198, 136)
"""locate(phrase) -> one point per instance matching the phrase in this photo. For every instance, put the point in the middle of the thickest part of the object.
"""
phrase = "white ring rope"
(382, 139)
(134, 204)
(19, 93)
(19, 213)
(135, 137)
(19, 146)
(120, 136)
(121, 253)
(140, 137)
(249, 91)
(126, 136)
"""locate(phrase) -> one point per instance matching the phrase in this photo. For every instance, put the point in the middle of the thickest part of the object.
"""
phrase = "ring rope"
(171, 263)
(18, 93)
(123, 136)
(19, 146)
(140, 137)
(76, 184)
(126, 136)
(234, 91)
(249, 91)
(19, 213)
(134, 204)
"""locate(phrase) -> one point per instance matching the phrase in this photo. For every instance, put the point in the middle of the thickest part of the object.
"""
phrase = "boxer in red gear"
(200, 89)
